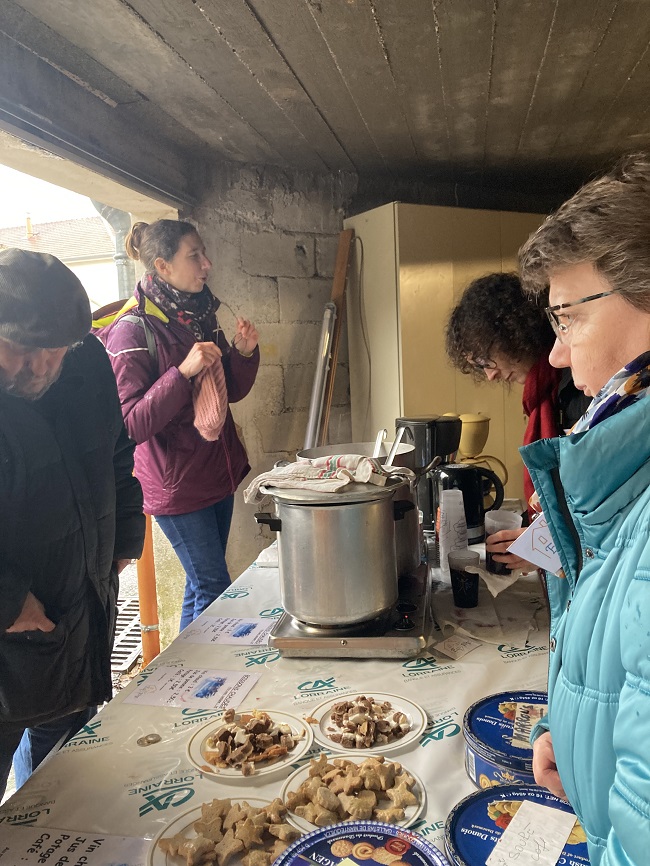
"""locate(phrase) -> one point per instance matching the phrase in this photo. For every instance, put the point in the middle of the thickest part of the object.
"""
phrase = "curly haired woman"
(496, 332)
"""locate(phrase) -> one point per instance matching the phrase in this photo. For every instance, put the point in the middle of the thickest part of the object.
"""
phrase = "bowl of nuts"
(249, 743)
(378, 723)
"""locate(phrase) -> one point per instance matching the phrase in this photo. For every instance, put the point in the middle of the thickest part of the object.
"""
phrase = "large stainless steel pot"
(408, 538)
(336, 551)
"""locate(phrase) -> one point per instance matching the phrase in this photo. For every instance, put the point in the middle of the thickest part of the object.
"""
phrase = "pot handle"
(273, 523)
(402, 507)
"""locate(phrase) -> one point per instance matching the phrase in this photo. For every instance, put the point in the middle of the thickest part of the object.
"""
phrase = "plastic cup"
(494, 522)
(464, 585)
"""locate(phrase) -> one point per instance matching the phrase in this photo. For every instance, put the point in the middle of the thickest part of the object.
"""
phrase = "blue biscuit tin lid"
(475, 825)
(491, 724)
(362, 843)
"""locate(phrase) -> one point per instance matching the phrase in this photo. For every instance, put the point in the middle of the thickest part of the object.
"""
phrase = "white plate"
(414, 713)
(412, 813)
(183, 823)
(196, 747)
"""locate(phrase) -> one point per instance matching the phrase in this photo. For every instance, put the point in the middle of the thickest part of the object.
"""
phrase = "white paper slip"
(191, 688)
(33, 846)
(536, 545)
(251, 631)
(457, 646)
(536, 836)
(526, 717)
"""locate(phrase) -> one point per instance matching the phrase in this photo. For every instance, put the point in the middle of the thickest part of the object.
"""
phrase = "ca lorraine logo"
(261, 657)
(173, 796)
(317, 685)
(272, 612)
(88, 732)
(421, 664)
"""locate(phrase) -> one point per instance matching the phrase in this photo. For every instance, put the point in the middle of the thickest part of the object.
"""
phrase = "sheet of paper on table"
(536, 545)
(191, 688)
(536, 836)
(251, 631)
(457, 646)
(31, 846)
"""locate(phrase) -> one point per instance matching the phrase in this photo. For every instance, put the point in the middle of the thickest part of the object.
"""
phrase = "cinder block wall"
(272, 237)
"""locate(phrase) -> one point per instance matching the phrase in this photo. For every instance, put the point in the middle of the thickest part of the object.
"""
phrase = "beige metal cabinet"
(410, 264)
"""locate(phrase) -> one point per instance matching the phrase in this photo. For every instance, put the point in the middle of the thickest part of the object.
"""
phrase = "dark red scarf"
(540, 401)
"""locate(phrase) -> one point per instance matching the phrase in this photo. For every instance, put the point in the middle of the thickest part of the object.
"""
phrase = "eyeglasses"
(482, 364)
(560, 329)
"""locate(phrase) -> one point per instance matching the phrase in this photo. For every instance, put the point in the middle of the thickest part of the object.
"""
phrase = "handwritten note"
(526, 717)
(457, 646)
(536, 836)
(536, 545)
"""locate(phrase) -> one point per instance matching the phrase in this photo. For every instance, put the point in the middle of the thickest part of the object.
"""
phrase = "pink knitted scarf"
(210, 399)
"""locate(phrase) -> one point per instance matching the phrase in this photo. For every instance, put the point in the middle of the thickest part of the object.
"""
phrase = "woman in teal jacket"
(593, 255)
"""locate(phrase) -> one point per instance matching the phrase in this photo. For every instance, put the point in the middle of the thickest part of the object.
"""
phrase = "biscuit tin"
(475, 825)
(362, 843)
(496, 731)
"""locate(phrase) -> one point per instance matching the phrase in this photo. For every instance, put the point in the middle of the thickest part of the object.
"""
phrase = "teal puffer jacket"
(594, 488)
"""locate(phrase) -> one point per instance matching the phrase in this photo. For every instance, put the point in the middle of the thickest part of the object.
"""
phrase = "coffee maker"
(433, 436)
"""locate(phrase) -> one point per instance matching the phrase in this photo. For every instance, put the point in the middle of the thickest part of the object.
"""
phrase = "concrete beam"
(43, 106)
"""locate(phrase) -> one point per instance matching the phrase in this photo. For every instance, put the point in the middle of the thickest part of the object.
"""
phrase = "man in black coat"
(70, 509)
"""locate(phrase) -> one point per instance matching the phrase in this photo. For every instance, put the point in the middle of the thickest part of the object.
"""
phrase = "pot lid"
(352, 492)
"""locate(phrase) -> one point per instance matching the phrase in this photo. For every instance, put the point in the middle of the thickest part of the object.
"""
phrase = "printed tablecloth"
(103, 782)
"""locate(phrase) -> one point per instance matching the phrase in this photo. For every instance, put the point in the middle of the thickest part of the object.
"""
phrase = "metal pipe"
(322, 366)
(120, 222)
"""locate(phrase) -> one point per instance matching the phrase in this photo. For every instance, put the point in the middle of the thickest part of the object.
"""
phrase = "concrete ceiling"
(479, 92)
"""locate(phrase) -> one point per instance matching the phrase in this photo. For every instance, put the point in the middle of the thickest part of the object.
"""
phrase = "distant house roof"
(68, 240)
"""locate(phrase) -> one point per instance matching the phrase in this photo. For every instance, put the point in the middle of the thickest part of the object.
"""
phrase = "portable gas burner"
(401, 632)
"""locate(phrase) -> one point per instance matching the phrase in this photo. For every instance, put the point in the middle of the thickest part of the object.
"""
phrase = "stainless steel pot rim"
(348, 495)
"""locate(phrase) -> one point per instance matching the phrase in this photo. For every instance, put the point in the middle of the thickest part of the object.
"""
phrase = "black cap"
(43, 305)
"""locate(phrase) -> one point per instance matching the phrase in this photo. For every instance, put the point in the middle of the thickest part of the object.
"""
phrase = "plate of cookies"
(251, 743)
(241, 832)
(377, 723)
(332, 789)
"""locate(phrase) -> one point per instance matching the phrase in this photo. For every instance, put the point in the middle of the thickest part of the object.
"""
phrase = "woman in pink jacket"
(170, 335)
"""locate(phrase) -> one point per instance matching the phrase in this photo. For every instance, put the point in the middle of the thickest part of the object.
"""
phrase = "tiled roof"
(69, 240)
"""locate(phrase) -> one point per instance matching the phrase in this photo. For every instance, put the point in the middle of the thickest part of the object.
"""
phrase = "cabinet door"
(440, 251)
(371, 303)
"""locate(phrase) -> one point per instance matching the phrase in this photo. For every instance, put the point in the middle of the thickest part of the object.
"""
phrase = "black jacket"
(69, 507)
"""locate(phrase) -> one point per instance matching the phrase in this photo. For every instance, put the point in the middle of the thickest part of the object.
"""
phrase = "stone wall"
(272, 237)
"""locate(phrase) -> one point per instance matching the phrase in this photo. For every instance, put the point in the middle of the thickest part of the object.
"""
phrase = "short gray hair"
(606, 223)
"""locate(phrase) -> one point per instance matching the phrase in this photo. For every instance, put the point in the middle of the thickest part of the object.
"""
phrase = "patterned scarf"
(196, 311)
(630, 384)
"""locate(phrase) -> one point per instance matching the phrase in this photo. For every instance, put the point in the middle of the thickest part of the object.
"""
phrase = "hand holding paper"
(536, 545)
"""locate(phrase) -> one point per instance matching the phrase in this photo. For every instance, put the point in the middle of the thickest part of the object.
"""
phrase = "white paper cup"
(501, 519)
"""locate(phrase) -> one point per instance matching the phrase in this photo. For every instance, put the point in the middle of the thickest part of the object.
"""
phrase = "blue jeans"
(199, 540)
(30, 746)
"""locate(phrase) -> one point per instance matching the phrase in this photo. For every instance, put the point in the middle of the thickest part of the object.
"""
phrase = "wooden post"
(346, 238)
(148, 599)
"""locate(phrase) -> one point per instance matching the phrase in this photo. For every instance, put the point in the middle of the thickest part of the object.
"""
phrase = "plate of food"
(254, 743)
(332, 789)
(376, 722)
(242, 832)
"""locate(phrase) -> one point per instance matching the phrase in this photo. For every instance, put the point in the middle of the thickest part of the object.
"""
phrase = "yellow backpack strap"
(107, 314)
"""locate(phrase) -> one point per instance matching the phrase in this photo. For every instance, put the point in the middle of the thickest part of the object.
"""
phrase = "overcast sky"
(21, 194)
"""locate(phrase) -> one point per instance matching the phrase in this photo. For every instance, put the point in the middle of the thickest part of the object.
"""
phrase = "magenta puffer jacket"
(178, 470)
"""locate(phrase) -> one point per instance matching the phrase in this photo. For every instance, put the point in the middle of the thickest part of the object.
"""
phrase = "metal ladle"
(394, 446)
(379, 441)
